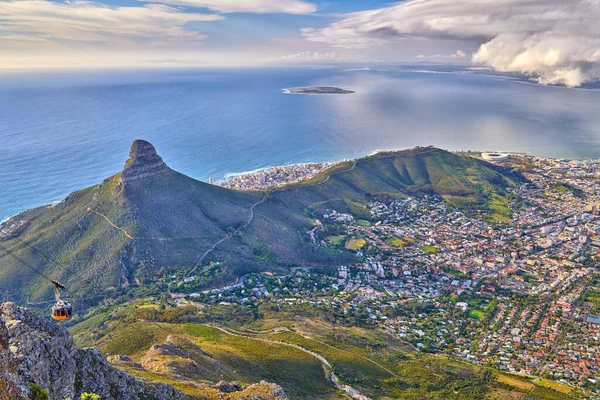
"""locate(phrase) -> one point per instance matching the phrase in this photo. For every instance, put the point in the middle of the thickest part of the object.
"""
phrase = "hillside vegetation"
(369, 360)
(137, 225)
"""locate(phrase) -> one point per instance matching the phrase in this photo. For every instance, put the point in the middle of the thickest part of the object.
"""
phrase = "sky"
(551, 41)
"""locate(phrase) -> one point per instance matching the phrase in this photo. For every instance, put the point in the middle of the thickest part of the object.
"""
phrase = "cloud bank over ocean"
(553, 41)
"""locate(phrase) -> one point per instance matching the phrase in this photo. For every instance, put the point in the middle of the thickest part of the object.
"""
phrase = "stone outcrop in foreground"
(36, 350)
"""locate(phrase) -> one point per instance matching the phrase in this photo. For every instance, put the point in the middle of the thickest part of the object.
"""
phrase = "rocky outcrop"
(97, 376)
(34, 350)
(12, 386)
(228, 387)
(263, 391)
(167, 357)
(43, 352)
(183, 360)
(180, 357)
(143, 162)
(38, 351)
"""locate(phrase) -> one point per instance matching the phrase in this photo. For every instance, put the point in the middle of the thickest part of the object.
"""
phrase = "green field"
(335, 239)
(379, 365)
(355, 244)
(430, 249)
(476, 314)
(396, 242)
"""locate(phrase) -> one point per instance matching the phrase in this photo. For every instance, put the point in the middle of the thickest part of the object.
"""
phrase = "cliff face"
(143, 162)
(36, 350)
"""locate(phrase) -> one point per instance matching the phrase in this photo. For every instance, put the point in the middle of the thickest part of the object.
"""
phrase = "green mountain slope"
(149, 220)
(272, 348)
(146, 217)
(411, 172)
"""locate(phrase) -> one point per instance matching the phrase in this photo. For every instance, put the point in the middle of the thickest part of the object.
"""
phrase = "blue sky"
(137, 32)
(242, 29)
(261, 27)
(553, 41)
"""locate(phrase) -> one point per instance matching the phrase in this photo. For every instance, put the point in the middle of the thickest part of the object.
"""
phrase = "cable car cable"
(43, 254)
(61, 310)
(25, 263)
(32, 247)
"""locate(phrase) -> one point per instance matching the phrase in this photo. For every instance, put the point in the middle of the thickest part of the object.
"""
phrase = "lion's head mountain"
(148, 219)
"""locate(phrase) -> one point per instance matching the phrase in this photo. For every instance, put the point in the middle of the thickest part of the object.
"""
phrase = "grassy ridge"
(372, 361)
(174, 219)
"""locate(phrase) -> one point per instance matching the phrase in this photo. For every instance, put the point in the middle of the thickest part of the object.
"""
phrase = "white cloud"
(552, 58)
(458, 54)
(31, 21)
(247, 6)
(555, 41)
(308, 56)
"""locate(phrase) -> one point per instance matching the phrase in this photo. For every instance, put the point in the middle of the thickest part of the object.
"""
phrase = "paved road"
(562, 331)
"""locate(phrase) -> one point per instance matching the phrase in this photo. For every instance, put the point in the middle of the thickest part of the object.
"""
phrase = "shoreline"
(254, 171)
(317, 90)
(231, 175)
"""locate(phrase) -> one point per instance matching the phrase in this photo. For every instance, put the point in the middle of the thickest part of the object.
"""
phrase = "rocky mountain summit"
(129, 230)
(34, 350)
(143, 162)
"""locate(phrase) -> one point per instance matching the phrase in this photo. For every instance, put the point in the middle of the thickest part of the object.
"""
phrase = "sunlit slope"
(370, 360)
(470, 183)
(102, 236)
(135, 225)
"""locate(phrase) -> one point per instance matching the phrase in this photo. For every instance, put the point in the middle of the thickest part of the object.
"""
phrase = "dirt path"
(208, 251)
(112, 224)
(229, 235)
(354, 393)
(130, 236)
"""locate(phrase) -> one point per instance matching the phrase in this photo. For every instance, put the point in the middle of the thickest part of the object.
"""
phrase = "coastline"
(257, 170)
(232, 175)
(315, 90)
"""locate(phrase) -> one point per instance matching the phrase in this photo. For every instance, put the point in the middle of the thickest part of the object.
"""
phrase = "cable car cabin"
(62, 312)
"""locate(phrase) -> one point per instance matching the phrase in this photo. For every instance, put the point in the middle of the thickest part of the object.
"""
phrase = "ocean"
(65, 130)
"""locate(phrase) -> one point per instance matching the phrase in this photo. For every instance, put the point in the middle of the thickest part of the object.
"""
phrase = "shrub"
(38, 392)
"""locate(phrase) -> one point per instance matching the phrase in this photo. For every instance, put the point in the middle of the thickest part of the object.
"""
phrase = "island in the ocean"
(319, 90)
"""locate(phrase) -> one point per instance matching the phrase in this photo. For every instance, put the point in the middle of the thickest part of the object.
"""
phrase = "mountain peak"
(143, 162)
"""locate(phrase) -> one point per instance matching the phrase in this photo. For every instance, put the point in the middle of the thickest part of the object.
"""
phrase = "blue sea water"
(64, 130)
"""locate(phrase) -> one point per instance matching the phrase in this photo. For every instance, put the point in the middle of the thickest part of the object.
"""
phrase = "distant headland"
(318, 90)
